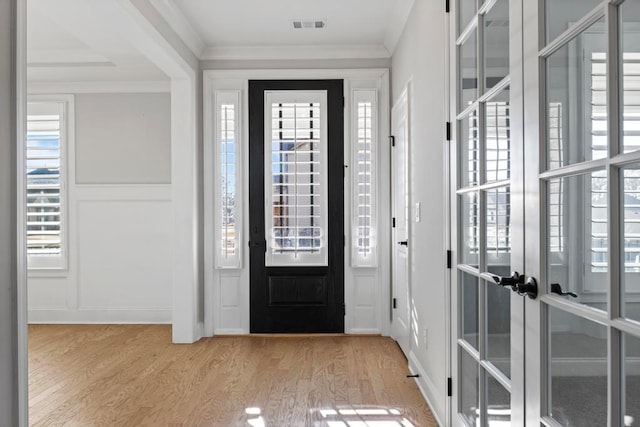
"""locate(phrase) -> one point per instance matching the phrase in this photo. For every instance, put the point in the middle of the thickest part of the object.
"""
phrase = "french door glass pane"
(577, 230)
(498, 314)
(631, 241)
(577, 370)
(469, 380)
(469, 229)
(469, 321)
(466, 10)
(468, 71)
(498, 138)
(630, 46)
(496, 43)
(632, 380)
(469, 162)
(498, 236)
(498, 404)
(560, 15)
(576, 100)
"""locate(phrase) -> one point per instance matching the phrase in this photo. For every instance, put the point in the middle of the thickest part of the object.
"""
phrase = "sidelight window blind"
(227, 162)
(295, 178)
(45, 147)
(364, 143)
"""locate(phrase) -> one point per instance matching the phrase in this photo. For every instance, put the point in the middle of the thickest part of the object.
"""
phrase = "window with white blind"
(556, 204)
(46, 144)
(631, 182)
(227, 166)
(364, 144)
(498, 201)
(296, 178)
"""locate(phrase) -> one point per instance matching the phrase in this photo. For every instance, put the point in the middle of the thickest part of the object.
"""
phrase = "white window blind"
(631, 181)
(498, 201)
(296, 178)
(45, 147)
(555, 195)
(365, 125)
(227, 162)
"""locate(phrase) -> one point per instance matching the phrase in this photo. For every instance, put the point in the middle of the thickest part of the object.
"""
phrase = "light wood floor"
(133, 375)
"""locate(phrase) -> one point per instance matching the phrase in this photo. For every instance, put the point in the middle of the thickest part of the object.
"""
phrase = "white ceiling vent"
(309, 24)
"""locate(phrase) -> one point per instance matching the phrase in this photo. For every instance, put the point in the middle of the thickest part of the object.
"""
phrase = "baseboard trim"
(120, 316)
(426, 387)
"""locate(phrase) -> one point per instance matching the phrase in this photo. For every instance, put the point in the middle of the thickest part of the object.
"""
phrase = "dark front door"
(296, 189)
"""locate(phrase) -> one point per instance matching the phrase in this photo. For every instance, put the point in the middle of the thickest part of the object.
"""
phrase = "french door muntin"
(582, 161)
(487, 368)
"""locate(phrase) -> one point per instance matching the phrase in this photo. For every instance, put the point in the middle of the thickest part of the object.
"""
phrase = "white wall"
(420, 57)
(120, 218)
(123, 138)
(8, 245)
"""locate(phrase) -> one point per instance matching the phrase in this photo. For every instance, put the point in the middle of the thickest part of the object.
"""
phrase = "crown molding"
(295, 52)
(98, 87)
(397, 22)
(180, 24)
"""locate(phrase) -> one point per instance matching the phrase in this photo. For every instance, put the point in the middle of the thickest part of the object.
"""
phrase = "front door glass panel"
(295, 181)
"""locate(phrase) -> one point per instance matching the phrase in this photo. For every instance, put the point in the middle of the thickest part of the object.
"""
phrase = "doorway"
(296, 219)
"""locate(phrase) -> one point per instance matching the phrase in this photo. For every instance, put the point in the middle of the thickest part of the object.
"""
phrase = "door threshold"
(299, 335)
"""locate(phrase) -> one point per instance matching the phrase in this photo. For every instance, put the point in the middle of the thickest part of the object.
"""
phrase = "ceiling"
(81, 41)
(371, 25)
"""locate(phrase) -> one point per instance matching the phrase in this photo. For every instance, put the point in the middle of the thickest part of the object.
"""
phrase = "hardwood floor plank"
(86, 375)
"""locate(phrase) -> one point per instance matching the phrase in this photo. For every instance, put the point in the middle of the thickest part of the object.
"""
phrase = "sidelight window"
(365, 120)
(227, 158)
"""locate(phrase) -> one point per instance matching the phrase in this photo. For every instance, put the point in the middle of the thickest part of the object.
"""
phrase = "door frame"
(218, 320)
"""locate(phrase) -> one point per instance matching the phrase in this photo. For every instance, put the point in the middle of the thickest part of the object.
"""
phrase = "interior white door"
(401, 325)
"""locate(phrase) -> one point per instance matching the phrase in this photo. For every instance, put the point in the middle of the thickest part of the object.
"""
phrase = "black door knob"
(404, 243)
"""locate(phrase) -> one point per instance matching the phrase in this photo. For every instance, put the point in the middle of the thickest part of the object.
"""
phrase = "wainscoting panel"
(366, 316)
(230, 320)
(120, 259)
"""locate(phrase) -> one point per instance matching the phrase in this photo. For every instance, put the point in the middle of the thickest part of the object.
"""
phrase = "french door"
(561, 206)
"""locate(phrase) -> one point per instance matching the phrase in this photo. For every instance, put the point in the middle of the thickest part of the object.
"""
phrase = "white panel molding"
(36, 87)
(427, 388)
(138, 315)
(66, 287)
(295, 52)
(180, 24)
(235, 320)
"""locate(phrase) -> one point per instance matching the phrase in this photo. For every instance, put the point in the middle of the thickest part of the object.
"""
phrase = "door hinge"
(395, 303)
(449, 387)
(446, 6)
(393, 140)
(393, 223)
(448, 130)
(449, 259)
